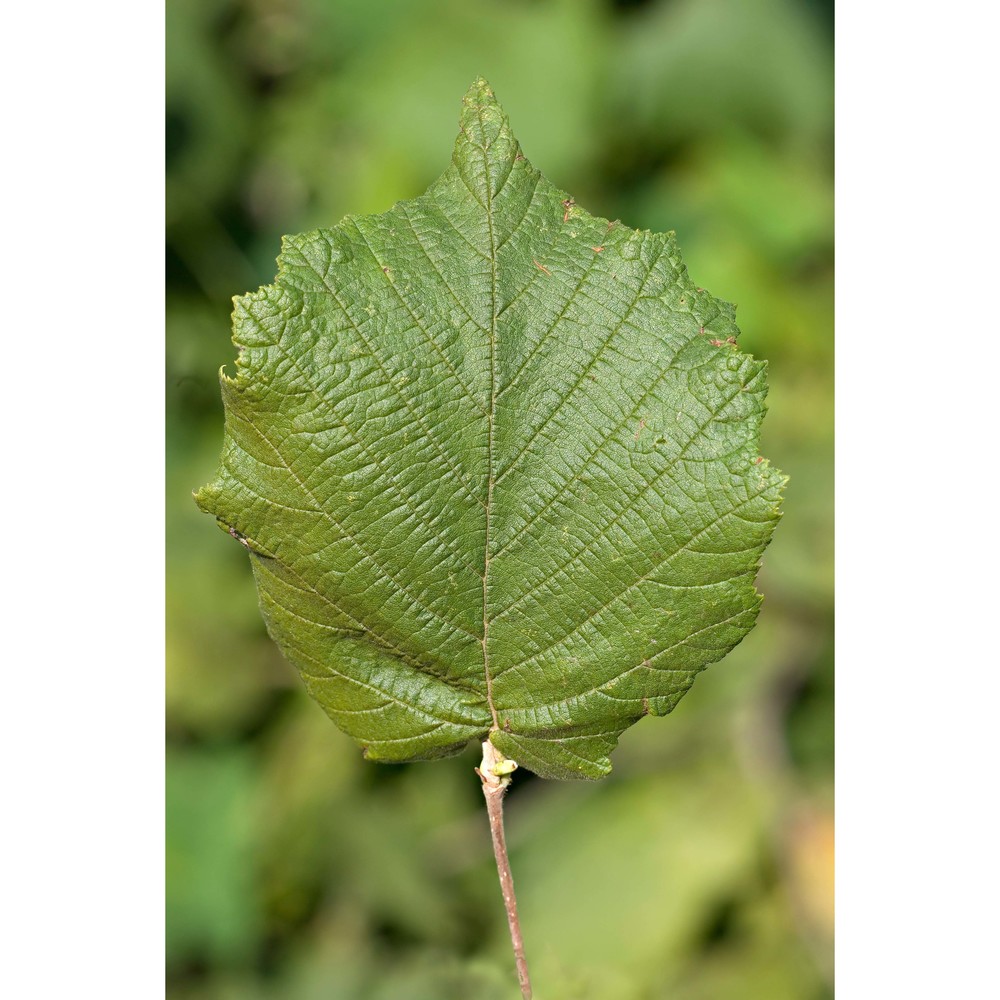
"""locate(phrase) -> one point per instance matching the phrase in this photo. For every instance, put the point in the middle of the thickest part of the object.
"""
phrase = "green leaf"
(495, 461)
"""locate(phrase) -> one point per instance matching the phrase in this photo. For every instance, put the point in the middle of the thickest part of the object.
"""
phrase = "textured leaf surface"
(495, 461)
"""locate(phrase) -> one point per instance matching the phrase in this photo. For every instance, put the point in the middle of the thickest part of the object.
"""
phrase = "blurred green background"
(701, 869)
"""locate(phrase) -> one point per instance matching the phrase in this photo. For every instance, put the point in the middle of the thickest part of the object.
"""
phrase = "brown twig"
(495, 775)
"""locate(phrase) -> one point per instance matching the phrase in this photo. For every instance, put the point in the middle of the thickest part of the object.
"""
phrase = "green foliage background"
(702, 867)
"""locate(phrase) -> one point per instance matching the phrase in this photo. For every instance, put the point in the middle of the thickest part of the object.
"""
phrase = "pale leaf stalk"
(495, 774)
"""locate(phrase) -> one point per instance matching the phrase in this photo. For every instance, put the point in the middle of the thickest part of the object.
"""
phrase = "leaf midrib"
(490, 422)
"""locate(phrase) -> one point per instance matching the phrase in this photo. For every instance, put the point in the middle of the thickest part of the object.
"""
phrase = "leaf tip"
(481, 112)
(481, 91)
(485, 150)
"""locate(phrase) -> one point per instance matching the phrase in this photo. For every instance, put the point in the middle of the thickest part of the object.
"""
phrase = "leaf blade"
(495, 460)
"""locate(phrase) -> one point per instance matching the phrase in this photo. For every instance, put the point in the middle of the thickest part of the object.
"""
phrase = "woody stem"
(494, 788)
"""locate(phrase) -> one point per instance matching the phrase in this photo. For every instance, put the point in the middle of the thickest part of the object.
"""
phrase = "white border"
(917, 389)
(82, 519)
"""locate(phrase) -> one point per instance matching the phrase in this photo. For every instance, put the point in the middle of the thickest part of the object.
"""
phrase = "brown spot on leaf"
(239, 536)
(541, 267)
